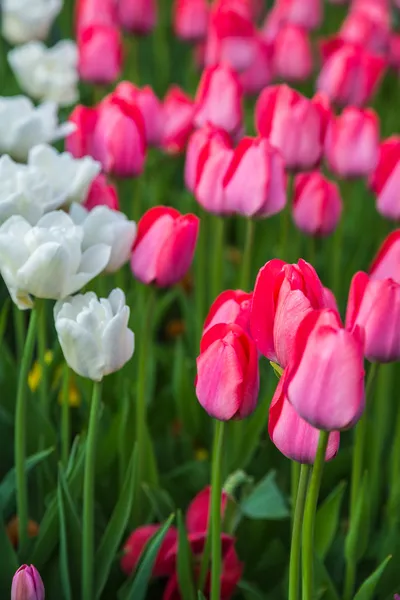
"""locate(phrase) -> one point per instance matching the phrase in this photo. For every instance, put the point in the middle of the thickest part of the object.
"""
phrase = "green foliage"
(266, 501)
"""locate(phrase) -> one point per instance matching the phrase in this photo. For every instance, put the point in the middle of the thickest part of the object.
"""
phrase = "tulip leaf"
(367, 589)
(324, 583)
(200, 595)
(187, 408)
(184, 563)
(327, 520)
(9, 561)
(357, 536)
(266, 501)
(111, 540)
(64, 564)
(161, 502)
(250, 591)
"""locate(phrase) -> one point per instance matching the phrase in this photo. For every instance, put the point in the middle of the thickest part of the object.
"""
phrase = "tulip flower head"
(101, 193)
(83, 120)
(178, 115)
(149, 106)
(387, 261)
(317, 204)
(100, 54)
(191, 19)
(384, 181)
(232, 306)
(27, 584)
(24, 20)
(292, 54)
(138, 17)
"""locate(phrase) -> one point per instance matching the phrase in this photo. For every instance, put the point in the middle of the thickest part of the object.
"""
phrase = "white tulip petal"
(44, 272)
(80, 349)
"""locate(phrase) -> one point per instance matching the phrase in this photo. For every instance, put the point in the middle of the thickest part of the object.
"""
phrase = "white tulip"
(26, 20)
(94, 334)
(47, 260)
(102, 225)
(47, 73)
(67, 175)
(22, 126)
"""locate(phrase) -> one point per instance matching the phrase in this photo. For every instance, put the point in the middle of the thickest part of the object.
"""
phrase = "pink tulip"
(164, 246)
(227, 373)
(259, 73)
(191, 19)
(293, 124)
(375, 306)
(149, 105)
(232, 306)
(293, 436)
(101, 193)
(292, 54)
(137, 16)
(80, 142)
(201, 143)
(361, 28)
(89, 13)
(100, 54)
(387, 262)
(350, 73)
(274, 20)
(27, 584)
(317, 204)
(352, 143)
(330, 300)
(135, 544)
(283, 295)
(178, 115)
(212, 165)
(394, 51)
(305, 13)
(219, 99)
(254, 183)
(385, 180)
(325, 379)
(119, 140)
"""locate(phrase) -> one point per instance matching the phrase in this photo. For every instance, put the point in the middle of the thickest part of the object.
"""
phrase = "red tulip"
(292, 54)
(198, 512)
(101, 193)
(385, 180)
(137, 16)
(100, 54)
(232, 306)
(387, 262)
(191, 19)
(135, 544)
(178, 115)
(317, 204)
(202, 143)
(164, 246)
(149, 105)
(80, 142)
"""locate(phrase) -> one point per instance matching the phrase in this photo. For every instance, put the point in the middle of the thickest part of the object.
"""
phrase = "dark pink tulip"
(227, 373)
(101, 193)
(219, 99)
(254, 183)
(387, 262)
(119, 140)
(360, 28)
(325, 379)
(202, 143)
(80, 142)
(178, 114)
(259, 73)
(385, 180)
(135, 544)
(317, 204)
(198, 511)
(352, 143)
(27, 584)
(232, 306)
(307, 14)
(99, 54)
(89, 13)
(394, 51)
(149, 105)
(330, 300)
(293, 436)
(137, 16)
(212, 165)
(374, 305)
(191, 19)
(292, 54)
(283, 295)
(293, 124)
(164, 246)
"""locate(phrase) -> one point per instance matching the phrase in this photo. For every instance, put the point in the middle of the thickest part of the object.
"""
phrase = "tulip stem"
(19, 326)
(65, 417)
(218, 257)
(309, 516)
(42, 346)
(248, 248)
(295, 468)
(20, 431)
(88, 496)
(295, 550)
(216, 491)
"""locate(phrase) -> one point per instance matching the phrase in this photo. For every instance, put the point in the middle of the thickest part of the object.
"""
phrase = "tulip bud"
(79, 142)
(137, 16)
(232, 306)
(191, 19)
(27, 584)
(260, 72)
(292, 54)
(361, 28)
(212, 166)
(148, 104)
(164, 246)
(198, 512)
(352, 143)
(202, 143)
(227, 380)
(101, 193)
(387, 262)
(136, 543)
(94, 12)
(305, 14)
(325, 380)
(100, 54)
(178, 115)
(385, 180)
(317, 204)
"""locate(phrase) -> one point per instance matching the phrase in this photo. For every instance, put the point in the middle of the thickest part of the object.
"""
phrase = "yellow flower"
(35, 373)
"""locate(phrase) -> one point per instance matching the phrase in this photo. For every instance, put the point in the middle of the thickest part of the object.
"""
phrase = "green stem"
(337, 259)
(20, 431)
(248, 247)
(295, 468)
(65, 417)
(394, 488)
(88, 496)
(218, 257)
(295, 550)
(309, 516)
(216, 490)
(42, 348)
(19, 325)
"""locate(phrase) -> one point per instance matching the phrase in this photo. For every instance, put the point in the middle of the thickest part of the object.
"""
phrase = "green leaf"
(73, 537)
(357, 536)
(136, 586)
(200, 595)
(327, 520)
(266, 501)
(324, 584)
(277, 369)
(187, 407)
(9, 561)
(161, 502)
(366, 590)
(64, 564)
(110, 542)
(250, 591)
(184, 563)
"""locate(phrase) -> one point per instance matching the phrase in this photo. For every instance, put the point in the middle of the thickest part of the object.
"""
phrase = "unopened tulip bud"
(385, 180)
(191, 19)
(137, 16)
(100, 54)
(178, 114)
(202, 142)
(232, 306)
(306, 14)
(101, 193)
(292, 54)
(79, 142)
(27, 584)
(317, 204)
(260, 72)
(149, 105)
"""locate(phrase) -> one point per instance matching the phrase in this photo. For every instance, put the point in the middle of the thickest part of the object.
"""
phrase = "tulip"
(292, 54)
(387, 262)
(232, 306)
(94, 12)
(259, 73)
(202, 143)
(164, 246)
(293, 436)
(47, 260)
(119, 138)
(80, 141)
(212, 167)
(27, 584)
(385, 179)
(255, 160)
(135, 544)
(394, 51)
(305, 14)
(227, 373)
(274, 20)
(198, 512)
(317, 204)
(219, 99)
(374, 305)
(102, 225)
(47, 73)
(100, 54)
(360, 28)
(325, 379)
(350, 73)
(24, 21)
(101, 193)
(293, 124)
(18, 115)
(178, 114)
(148, 104)
(191, 19)
(137, 16)
(352, 143)
(283, 295)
